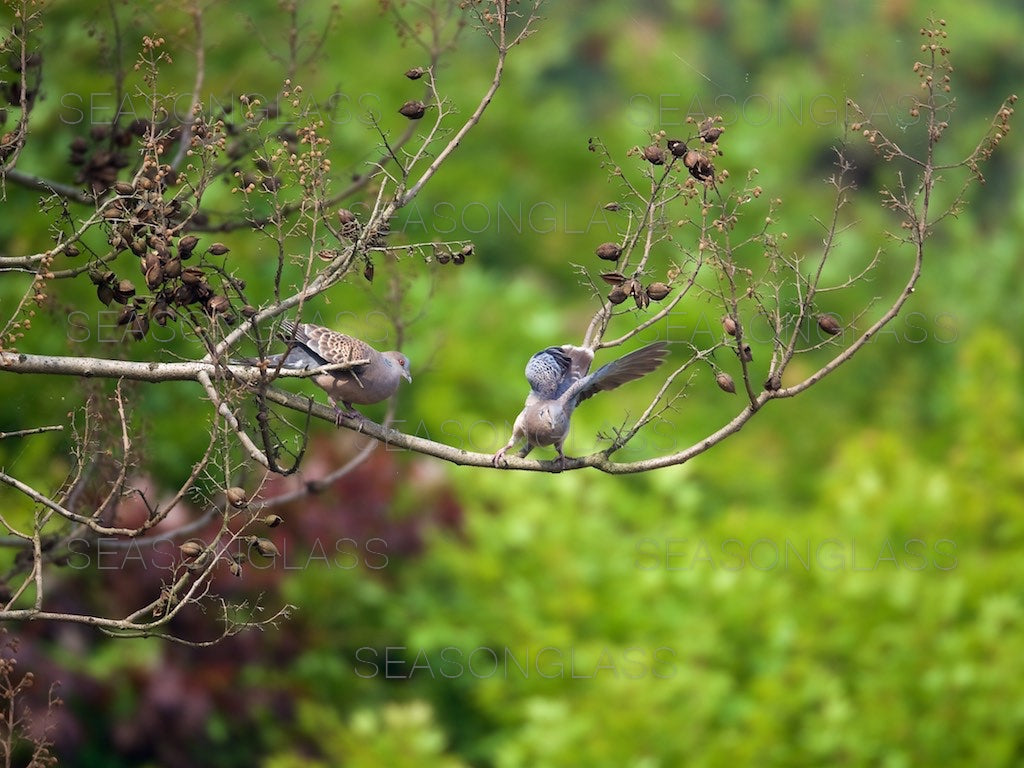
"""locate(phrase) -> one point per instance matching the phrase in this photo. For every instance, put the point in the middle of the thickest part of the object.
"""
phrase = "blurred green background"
(839, 584)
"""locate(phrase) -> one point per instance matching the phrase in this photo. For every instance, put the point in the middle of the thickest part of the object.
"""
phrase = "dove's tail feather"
(294, 359)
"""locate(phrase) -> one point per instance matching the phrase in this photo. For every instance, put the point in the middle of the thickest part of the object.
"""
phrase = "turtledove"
(313, 346)
(559, 382)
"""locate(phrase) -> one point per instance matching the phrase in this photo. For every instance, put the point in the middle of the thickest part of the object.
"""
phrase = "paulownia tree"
(135, 219)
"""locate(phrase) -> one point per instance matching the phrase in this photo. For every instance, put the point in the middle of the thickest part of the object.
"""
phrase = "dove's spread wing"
(618, 372)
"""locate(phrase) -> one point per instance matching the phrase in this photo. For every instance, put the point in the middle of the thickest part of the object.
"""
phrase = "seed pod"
(730, 325)
(829, 324)
(700, 167)
(773, 383)
(235, 568)
(154, 276)
(368, 271)
(71, 250)
(191, 549)
(745, 354)
(248, 310)
(608, 251)
(266, 548)
(415, 73)
(443, 257)
(413, 110)
(186, 245)
(160, 246)
(725, 382)
(641, 299)
(617, 295)
(192, 276)
(105, 293)
(218, 304)
(236, 497)
(161, 313)
(676, 147)
(613, 278)
(632, 287)
(184, 294)
(217, 249)
(654, 155)
(126, 315)
(709, 132)
(613, 207)
(658, 291)
(172, 268)
(124, 291)
(458, 258)
(272, 521)
(467, 250)
(139, 327)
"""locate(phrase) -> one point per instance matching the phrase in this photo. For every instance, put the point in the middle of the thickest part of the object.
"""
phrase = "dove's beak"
(407, 376)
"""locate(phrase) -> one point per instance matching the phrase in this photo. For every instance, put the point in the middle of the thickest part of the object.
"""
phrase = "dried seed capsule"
(139, 327)
(124, 291)
(658, 291)
(266, 548)
(700, 167)
(105, 294)
(725, 382)
(641, 300)
(368, 271)
(608, 251)
(236, 497)
(186, 245)
(730, 325)
(773, 383)
(272, 521)
(71, 250)
(192, 276)
(676, 147)
(154, 276)
(172, 268)
(235, 568)
(654, 155)
(709, 132)
(613, 207)
(413, 110)
(415, 73)
(617, 295)
(124, 188)
(613, 278)
(218, 304)
(443, 257)
(829, 325)
(217, 249)
(191, 549)
(745, 354)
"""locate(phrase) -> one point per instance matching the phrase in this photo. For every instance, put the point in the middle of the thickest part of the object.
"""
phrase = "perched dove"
(314, 346)
(559, 382)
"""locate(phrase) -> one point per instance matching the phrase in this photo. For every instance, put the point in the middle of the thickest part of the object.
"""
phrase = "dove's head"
(402, 362)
